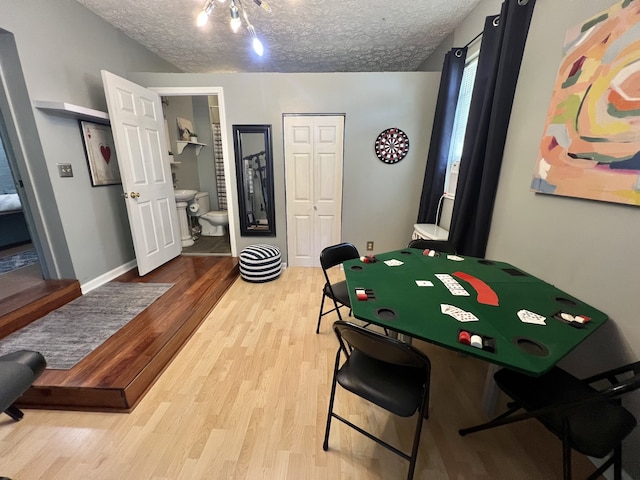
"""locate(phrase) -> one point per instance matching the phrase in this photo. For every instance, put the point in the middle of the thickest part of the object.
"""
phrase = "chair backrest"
(337, 254)
(380, 347)
(437, 245)
(619, 386)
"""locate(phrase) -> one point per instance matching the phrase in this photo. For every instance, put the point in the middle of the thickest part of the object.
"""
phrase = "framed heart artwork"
(101, 154)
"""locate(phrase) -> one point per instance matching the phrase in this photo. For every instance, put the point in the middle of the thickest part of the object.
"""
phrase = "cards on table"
(424, 283)
(458, 313)
(529, 317)
(452, 285)
(393, 262)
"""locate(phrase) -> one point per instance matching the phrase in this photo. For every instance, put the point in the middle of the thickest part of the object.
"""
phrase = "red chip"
(464, 337)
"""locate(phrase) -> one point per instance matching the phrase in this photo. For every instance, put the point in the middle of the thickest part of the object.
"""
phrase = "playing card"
(458, 313)
(424, 283)
(455, 258)
(530, 317)
(452, 285)
(393, 262)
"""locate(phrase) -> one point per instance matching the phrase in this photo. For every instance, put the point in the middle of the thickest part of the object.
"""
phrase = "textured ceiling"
(299, 35)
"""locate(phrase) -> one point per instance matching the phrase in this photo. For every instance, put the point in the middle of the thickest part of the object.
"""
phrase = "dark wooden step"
(116, 375)
(24, 307)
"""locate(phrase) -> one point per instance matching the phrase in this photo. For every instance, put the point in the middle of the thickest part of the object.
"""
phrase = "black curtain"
(433, 185)
(503, 42)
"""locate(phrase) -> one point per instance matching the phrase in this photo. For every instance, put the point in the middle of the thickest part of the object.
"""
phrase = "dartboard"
(392, 145)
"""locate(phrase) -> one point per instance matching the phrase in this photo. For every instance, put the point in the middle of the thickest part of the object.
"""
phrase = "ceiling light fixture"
(235, 22)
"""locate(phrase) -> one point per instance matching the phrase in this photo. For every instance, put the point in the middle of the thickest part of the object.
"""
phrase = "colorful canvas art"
(591, 142)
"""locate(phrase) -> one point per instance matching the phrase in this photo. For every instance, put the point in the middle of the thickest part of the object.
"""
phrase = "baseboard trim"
(107, 277)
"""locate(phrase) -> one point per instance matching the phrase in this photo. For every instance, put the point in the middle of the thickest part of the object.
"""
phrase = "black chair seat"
(593, 427)
(392, 387)
(385, 371)
(340, 293)
(337, 293)
(18, 370)
(442, 246)
(586, 414)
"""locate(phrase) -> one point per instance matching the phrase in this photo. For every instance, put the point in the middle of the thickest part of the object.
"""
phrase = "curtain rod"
(473, 40)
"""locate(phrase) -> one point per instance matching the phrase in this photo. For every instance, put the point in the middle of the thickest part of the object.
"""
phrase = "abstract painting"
(590, 147)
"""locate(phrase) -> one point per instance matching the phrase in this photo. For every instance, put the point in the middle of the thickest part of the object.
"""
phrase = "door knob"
(134, 195)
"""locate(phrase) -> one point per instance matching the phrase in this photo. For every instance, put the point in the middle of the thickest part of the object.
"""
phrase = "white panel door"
(313, 176)
(139, 136)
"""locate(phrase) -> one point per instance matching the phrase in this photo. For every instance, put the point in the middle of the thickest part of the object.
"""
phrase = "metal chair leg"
(14, 412)
(325, 444)
(320, 314)
(566, 452)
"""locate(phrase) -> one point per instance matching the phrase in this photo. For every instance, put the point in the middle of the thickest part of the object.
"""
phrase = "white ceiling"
(299, 35)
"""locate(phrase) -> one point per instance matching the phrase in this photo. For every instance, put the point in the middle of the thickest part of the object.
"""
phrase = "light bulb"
(202, 19)
(263, 4)
(257, 46)
(203, 16)
(235, 24)
(235, 17)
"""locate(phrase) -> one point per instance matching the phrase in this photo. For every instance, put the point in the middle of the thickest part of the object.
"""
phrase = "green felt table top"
(401, 305)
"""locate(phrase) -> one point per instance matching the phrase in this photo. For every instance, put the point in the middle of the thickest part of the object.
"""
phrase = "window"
(460, 125)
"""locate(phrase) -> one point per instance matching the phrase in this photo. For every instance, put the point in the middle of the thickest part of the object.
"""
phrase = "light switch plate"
(64, 170)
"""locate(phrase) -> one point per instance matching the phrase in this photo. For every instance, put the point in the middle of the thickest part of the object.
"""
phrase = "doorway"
(204, 165)
(19, 262)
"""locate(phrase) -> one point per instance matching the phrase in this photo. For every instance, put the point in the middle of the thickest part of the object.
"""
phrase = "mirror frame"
(247, 228)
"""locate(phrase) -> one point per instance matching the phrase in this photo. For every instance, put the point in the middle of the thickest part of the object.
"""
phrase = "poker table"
(498, 295)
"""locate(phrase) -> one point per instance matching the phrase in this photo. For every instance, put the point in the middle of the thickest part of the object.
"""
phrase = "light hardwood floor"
(246, 398)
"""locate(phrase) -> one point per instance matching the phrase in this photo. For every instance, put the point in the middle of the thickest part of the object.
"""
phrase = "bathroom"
(197, 164)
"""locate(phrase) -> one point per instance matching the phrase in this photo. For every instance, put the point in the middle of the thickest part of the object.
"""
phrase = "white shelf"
(181, 144)
(74, 111)
(429, 231)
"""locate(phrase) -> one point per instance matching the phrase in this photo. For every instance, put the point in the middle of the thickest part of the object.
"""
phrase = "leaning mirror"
(254, 173)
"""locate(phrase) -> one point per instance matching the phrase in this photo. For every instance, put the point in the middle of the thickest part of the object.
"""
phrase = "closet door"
(313, 180)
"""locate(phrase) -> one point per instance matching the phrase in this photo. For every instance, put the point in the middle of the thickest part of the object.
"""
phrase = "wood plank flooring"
(246, 398)
(115, 376)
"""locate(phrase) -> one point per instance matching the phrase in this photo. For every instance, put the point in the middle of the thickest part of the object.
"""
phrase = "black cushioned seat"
(442, 246)
(593, 428)
(18, 371)
(586, 415)
(337, 293)
(385, 371)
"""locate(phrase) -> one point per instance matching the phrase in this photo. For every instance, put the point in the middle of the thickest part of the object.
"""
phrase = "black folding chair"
(385, 371)
(18, 370)
(586, 416)
(338, 293)
(442, 246)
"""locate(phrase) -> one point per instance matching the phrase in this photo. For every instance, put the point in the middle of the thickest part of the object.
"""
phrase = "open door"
(138, 132)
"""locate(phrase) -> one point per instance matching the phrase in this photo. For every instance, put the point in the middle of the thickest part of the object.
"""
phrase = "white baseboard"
(106, 277)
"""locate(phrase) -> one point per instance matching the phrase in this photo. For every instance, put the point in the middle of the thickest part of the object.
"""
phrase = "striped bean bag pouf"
(260, 263)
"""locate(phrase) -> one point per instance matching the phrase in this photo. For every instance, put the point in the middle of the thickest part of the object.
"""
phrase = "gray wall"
(62, 47)
(588, 248)
(380, 200)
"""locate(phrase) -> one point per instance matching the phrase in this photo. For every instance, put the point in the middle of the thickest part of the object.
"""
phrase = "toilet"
(212, 222)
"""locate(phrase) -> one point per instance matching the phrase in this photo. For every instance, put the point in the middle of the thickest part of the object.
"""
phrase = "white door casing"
(313, 178)
(138, 130)
(227, 151)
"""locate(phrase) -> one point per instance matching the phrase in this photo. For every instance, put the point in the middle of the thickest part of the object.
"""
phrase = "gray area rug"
(68, 334)
(18, 260)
